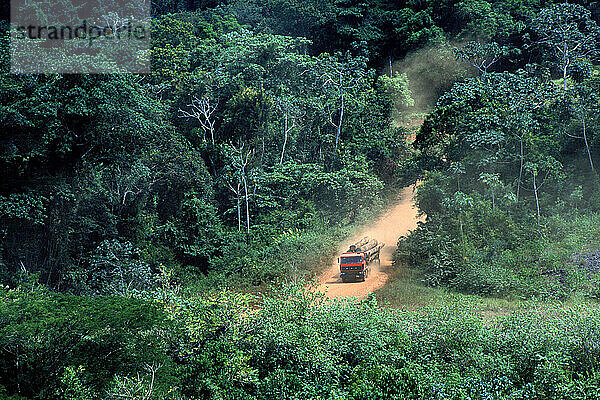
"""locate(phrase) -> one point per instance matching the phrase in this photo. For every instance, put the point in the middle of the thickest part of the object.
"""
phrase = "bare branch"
(202, 109)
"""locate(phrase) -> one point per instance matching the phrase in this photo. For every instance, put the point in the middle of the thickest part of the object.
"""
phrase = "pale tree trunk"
(587, 147)
(520, 167)
(247, 204)
(239, 212)
(566, 64)
(537, 200)
(286, 131)
(238, 195)
(285, 138)
(241, 162)
(339, 125)
(202, 109)
(339, 129)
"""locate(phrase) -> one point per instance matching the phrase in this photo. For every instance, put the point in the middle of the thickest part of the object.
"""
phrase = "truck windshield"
(351, 260)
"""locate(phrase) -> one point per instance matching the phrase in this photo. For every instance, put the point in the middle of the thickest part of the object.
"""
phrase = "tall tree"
(480, 55)
(570, 33)
(584, 103)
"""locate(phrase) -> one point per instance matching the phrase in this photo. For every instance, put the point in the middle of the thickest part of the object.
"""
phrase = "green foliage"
(506, 147)
(72, 387)
(371, 28)
(569, 32)
(481, 56)
(250, 149)
(291, 343)
(495, 20)
(116, 271)
(298, 345)
(485, 242)
(196, 235)
(172, 180)
(45, 335)
(168, 181)
(480, 235)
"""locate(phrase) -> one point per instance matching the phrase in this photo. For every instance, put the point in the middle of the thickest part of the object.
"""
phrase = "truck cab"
(353, 265)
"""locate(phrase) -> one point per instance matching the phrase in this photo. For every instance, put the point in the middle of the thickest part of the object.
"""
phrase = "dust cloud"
(431, 71)
(397, 221)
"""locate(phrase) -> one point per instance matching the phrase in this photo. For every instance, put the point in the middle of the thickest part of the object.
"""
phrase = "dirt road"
(397, 221)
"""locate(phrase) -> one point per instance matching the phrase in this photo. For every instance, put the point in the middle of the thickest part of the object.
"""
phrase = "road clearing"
(398, 220)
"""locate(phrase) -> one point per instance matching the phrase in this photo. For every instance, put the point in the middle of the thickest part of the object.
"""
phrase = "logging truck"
(354, 263)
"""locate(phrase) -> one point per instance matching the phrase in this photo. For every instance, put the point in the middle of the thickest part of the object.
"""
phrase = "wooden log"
(364, 240)
(372, 251)
(358, 245)
(368, 246)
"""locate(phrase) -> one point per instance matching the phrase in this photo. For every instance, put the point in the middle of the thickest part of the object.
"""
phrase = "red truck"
(354, 264)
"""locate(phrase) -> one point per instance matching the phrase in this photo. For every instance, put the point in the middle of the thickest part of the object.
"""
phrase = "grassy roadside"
(406, 293)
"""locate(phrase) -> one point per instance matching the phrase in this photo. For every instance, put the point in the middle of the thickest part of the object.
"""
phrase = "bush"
(50, 338)
(292, 344)
(477, 246)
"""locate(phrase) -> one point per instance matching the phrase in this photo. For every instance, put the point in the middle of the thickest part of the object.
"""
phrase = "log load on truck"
(354, 263)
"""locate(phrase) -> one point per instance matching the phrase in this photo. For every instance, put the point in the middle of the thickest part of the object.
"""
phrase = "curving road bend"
(395, 222)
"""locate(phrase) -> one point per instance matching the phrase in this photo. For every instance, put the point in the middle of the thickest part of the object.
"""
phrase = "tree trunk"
(247, 205)
(520, 169)
(587, 147)
(339, 127)
(285, 138)
(537, 200)
(565, 65)
(239, 211)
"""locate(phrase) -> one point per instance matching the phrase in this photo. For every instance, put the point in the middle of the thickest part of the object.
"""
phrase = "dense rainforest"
(157, 230)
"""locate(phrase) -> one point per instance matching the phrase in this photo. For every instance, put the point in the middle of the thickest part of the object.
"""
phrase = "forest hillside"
(159, 231)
